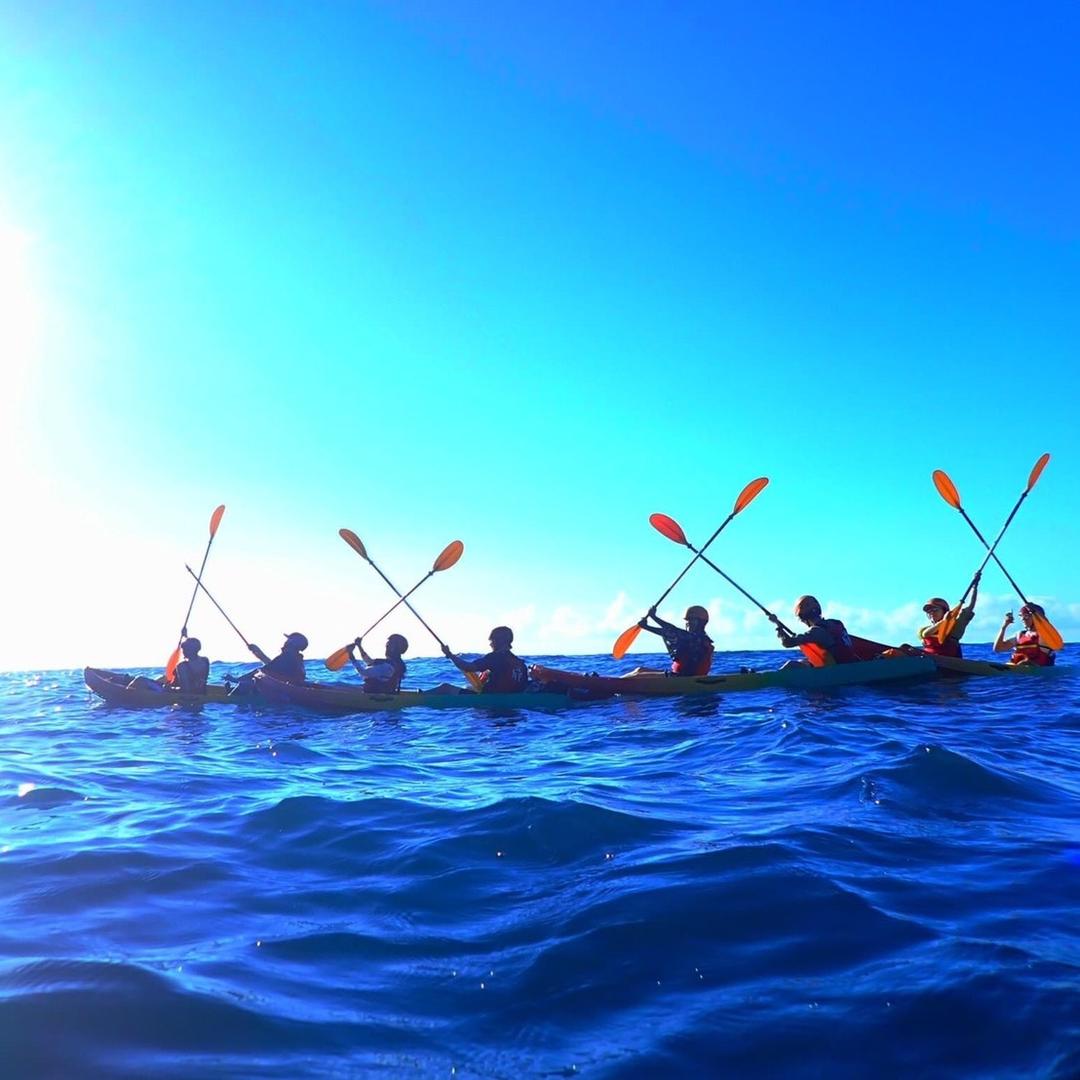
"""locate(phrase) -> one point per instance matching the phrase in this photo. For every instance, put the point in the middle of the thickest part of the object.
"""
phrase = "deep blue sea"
(868, 882)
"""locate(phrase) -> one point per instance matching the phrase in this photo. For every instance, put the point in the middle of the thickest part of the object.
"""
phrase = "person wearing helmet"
(691, 650)
(190, 676)
(1026, 646)
(288, 665)
(381, 676)
(193, 671)
(506, 673)
(937, 608)
(825, 642)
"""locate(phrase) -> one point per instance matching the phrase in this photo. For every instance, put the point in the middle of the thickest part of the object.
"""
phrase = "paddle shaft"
(735, 584)
(195, 591)
(390, 610)
(699, 554)
(402, 600)
(990, 552)
(200, 585)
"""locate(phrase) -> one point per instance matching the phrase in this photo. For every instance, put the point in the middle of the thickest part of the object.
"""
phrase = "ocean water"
(877, 881)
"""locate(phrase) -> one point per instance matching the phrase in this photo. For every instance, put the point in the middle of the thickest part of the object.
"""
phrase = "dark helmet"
(696, 611)
(296, 639)
(191, 646)
(397, 643)
(935, 602)
(503, 632)
(808, 605)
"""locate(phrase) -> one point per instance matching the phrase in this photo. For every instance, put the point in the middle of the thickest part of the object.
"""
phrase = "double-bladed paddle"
(1048, 633)
(357, 545)
(174, 658)
(670, 528)
(746, 496)
(449, 555)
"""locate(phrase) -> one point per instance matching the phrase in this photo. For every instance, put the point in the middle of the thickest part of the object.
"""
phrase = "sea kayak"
(654, 684)
(342, 698)
(956, 665)
(113, 687)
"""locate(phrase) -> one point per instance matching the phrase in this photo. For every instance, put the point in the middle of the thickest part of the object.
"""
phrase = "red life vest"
(1028, 650)
(949, 647)
(840, 652)
(704, 663)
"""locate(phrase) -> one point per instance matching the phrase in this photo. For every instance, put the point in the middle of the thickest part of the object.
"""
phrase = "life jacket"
(840, 652)
(374, 685)
(949, 647)
(693, 660)
(1028, 650)
(509, 678)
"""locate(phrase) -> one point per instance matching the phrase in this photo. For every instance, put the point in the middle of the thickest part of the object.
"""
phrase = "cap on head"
(696, 611)
(935, 602)
(396, 643)
(297, 640)
(501, 635)
(191, 646)
(808, 606)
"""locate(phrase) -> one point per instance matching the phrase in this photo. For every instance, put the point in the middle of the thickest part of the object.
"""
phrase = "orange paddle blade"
(215, 519)
(1036, 472)
(450, 555)
(170, 667)
(1048, 633)
(337, 660)
(354, 542)
(948, 624)
(669, 527)
(625, 640)
(750, 493)
(475, 680)
(946, 489)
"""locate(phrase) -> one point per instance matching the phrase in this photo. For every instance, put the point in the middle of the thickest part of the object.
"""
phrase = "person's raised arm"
(259, 654)
(1001, 642)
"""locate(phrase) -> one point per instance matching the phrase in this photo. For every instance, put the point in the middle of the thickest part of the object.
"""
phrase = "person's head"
(1029, 611)
(807, 608)
(502, 637)
(396, 645)
(191, 647)
(696, 617)
(294, 642)
(936, 608)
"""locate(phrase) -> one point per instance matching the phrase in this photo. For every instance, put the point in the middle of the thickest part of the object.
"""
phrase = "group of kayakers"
(825, 641)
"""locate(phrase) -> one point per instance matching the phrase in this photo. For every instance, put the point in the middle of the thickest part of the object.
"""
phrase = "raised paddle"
(746, 497)
(450, 555)
(1048, 633)
(200, 585)
(670, 528)
(174, 658)
(357, 545)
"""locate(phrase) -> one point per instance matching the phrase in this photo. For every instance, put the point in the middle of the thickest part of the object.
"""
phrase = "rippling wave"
(874, 881)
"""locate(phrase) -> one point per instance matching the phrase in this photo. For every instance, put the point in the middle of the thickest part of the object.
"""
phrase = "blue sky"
(523, 275)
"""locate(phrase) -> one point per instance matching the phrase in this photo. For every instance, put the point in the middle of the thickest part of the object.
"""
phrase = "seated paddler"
(691, 650)
(505, 672)
(825, 642)
(382, 676)
(936, 609)
(1026, 646)
(288, 665)
(190, 675)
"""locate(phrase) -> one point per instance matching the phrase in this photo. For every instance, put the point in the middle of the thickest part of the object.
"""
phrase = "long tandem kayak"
(342, 698)
(653, 684)
(115, 688)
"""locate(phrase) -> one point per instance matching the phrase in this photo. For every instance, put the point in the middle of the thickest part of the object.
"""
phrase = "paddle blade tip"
(1036, 471)
(215, 519)
(668, 527)
(353, 541)
(449, 555)
(946, 488)
(750, 492)
(624, 641)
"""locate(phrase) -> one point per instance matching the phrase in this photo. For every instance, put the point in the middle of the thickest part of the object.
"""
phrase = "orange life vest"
(1028, 650)
(841, 652)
